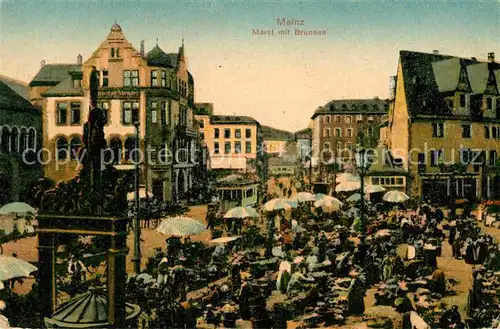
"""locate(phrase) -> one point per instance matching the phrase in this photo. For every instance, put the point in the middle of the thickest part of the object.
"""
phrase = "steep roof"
(157, 57)
(426, 76)
(9, 99)
(65, 88)
(232, 119)
(305, 133)
(270, 133)
(353, 106)
(20, 87)
(52, 74)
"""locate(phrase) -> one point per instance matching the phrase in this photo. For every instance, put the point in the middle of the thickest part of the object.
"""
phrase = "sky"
(277, 79)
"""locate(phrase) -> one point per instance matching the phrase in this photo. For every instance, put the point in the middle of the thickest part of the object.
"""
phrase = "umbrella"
(347, 177)
(241, 212)
(277, 204)
(326, 205)
(142, 195)
(223, 240)
(348, 186)
(147, 278)
(180, 226)
(13, 267)
(354, 198)
(395, 197)
(321, 196)
(304, 197)
(373, 189)
(16, 208)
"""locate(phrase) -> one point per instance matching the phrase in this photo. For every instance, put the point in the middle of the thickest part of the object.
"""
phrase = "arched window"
(112, 52)
(62, 148)
(32, 139)
(116, 148)
(5, 140)
(14, 140)
(216, 133)
(23, 140)
(76, 143)
(129, 147)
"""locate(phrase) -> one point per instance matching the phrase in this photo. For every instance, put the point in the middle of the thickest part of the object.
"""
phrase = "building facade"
(340, 125)
(444, 125)
(231, 141)
(303, 138)
(154, 90)
(20, 144)
(276, 140)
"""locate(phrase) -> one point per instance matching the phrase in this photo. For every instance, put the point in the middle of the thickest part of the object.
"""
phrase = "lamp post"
(310, 163)
(362, 165)
(136, 259)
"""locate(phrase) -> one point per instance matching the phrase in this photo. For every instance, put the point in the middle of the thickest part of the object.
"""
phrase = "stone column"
(117, 275)
(46, 273)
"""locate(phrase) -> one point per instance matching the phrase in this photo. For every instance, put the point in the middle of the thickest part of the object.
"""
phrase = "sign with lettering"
(119, 94)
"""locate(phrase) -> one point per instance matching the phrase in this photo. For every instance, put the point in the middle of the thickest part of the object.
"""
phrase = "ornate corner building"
(153, 89)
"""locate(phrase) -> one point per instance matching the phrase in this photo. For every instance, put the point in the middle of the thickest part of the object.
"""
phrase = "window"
(105, 107)
(436, 157)
(370, 132)
(130, 113)
(166, 113)
(359, 118)
(105, 79)
(326, 133)
(154, 112)
(248, 133)
(163, 78)
(371, 118)
(23, 140)
(489, 103)
(216, 148)
(227, 133)
(466, 131)
(349, 132)
(202, 135)
(112, 52)
(237, 147)
(326, 146)
(201, 123)
(339, 146)
(14, 140)
(465, 156)
(237, 133)
(337, 118)
(117, 52)
(76, 142)
(438, 130)
(249, 193)
(347, 119)
(131, 78)
(327, 119)
(227, 147)
(248, 147)
(487, 132)
(375, 180)
(338, 132)
(130, 154)
(5, 139)
(31, 139)
(62, 148)
(62, 113)
(216, 133)
(183, 116)
(399, 181)
(462, 100)
(154, 78)
(75, 113)
(493, 157)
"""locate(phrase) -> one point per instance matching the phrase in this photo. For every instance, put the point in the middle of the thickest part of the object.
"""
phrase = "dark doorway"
(158, 189)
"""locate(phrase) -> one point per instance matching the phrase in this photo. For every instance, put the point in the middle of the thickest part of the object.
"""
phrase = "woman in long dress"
(355, 297)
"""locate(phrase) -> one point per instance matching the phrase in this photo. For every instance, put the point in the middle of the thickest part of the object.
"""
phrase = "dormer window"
(77, 83)
(462, 100)
(117, 53)
(112, 52)
(489, 103)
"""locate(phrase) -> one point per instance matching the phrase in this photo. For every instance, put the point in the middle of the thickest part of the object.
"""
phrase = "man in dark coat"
(450, 317)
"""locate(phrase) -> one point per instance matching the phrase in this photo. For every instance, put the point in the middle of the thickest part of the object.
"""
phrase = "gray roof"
(20, 87)
(423, 80)
(9, 99)
(232, 119)
(305, 133)
(271, 133)
(447, 73)
(353, 106)
(157, 57)
(65, 88)
(52, 74)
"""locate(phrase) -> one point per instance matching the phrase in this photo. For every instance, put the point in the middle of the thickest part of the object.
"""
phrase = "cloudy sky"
(278, 79)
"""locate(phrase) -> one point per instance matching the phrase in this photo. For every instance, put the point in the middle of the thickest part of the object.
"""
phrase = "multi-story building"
(275, 140)
(444, 125)
(303, 139)
(154, 90)
(231, 141)
(340, 125)
(20, 143)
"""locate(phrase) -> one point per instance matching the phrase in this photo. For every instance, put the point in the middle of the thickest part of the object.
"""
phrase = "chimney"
(491, 57)
(142, 48)
(42, 63)
(79, 59)
(435, 52)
